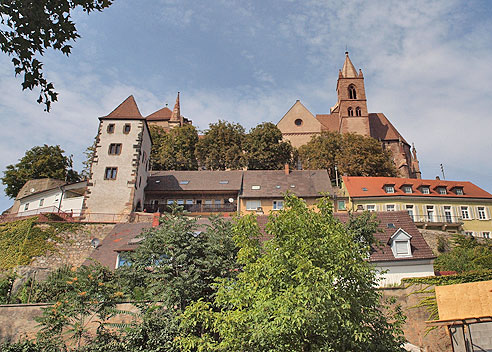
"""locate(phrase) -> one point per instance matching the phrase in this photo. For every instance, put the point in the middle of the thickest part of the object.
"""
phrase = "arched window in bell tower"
(358, 112)
(352, 92)
(350, 112)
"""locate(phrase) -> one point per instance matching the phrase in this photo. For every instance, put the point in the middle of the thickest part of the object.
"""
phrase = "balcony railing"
(193, 208)
(443, 219)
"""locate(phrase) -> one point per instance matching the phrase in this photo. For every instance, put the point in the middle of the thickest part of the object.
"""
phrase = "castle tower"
(352, 104)
(120, 164)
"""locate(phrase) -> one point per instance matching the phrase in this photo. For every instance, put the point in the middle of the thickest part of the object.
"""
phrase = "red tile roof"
(382, 129)
(126, 110)
(163, 114)
(374, 187)
(329, 122)
(389, 223)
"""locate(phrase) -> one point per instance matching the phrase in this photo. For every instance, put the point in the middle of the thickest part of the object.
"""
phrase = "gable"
(308, 123)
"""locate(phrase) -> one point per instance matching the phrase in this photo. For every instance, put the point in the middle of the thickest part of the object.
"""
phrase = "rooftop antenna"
(442, 171)
(346, 49)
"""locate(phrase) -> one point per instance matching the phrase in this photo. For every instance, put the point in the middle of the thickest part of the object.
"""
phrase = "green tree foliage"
(221, 147)
(39, 162)
(468, 254)
(87, 163)
(187, 260)
(353, 154)
(309, 288)
(174, 150)
(265, 149)
(91, 295)
(30, 27)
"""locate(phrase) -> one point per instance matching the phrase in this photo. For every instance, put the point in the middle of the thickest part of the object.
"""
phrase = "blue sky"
(427, 67)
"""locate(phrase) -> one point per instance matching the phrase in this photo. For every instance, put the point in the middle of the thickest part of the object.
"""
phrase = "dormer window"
(458, 191)
(352, 92)
(442, 190)
(184, 182)
(358, 112)
(389, 188)
(255, 187)
(425, 190)
(400, 244)
(350, 112)
(407, 189)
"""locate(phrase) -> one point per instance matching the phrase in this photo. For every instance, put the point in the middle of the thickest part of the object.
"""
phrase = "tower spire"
(348, 70)
(176, 115)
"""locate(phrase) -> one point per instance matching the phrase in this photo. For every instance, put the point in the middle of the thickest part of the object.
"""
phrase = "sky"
(427, 67)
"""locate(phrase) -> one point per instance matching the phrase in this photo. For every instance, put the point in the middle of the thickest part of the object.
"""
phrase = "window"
(253, 204)
(442, 190)
(110, 173)
(189, 202)
(448, 215)
(217, 202)
(184, 182)
(341, 205)
(407, 189)
(123, 259)
(430, 213)
(350, 112)
(371, 207)
(389, 189)
(278, 204)
(486, 234)
(469, 233)
(465, 213)
(126, 128)
(170, 201)
(409, 209)
(482, 215)
(458, 191)
(114, 149)
(26, 207)
(223, 182)
(401, 248)
(298, 122)
(180, 202)
(110, 128)
(255, 187)
(41, 202)
(352, 92)
(208, 201)
(390, 207)
(425, 190)
(358, 112)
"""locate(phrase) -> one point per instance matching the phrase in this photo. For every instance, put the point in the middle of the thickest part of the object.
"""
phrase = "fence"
(193, 208)
(447, 219)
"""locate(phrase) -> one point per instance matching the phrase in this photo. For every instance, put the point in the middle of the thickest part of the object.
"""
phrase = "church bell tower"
(352, 104)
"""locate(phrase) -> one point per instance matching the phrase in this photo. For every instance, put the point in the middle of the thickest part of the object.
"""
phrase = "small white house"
(67, 198)
(402, 251)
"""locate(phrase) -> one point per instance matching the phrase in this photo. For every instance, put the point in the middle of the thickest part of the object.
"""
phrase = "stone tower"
(120, 164)
(352, 104)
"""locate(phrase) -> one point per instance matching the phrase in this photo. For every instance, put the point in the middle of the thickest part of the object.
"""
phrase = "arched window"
(350, 112)
(352, 92)
(358, 112)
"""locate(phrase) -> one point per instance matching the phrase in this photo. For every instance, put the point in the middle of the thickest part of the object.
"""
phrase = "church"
(350, 115)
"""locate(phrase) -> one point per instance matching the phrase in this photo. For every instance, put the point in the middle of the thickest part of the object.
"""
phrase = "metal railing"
(446, 219)
(193, 208)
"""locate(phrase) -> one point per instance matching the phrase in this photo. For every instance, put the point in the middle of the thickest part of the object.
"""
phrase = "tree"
(175, 150)
(29, 27)
(467, 254)
(221, 147)
(308, 288)
(175, 264)
(89, 156)
(159, 137)
(39, 162)
(265, 149)
(353, 154)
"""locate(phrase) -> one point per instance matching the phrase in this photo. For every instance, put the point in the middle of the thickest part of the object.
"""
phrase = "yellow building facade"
(460, 207)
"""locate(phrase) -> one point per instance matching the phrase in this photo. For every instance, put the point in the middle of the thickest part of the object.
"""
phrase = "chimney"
(287, 171)
(438, 178)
